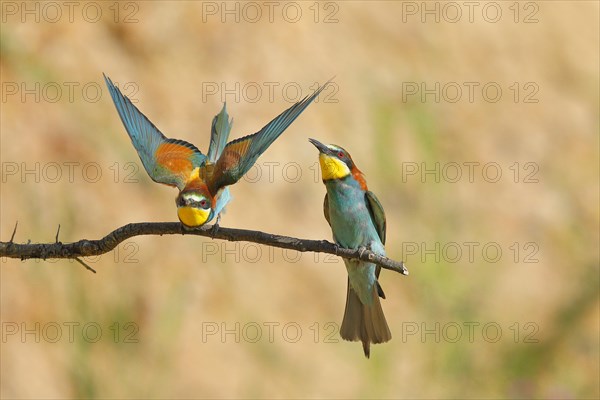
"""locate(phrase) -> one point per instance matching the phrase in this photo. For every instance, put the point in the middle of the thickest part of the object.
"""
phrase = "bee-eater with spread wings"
(202, 180)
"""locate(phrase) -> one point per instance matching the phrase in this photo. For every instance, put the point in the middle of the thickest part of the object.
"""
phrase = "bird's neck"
(360, 178)
(343, 186)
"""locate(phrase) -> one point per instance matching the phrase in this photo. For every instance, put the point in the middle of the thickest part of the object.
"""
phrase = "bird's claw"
(361, 250)
(336, 248)
(214, 230)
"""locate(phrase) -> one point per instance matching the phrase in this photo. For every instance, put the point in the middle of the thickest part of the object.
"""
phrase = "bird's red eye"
(203, 203)
(341, 154)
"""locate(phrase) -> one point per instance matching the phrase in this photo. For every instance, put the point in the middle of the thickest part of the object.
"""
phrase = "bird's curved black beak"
(320, 146)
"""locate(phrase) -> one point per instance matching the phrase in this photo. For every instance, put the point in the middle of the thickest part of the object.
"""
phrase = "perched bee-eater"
(202, 180)
(357, 220)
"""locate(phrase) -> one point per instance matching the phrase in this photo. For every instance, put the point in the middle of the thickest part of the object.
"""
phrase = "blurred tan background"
(502, 297)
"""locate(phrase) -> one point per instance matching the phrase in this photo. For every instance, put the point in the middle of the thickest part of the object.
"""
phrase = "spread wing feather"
(239, 155)
(221, 126)
(167, 161)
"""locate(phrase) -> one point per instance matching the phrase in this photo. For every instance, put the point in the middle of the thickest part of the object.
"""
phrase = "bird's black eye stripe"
(191, 202)
(201, 204)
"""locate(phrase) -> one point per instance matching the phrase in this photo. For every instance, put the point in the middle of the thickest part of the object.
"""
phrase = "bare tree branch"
(84, 247)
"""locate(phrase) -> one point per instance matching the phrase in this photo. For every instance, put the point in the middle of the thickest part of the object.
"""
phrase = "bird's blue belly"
(353, 228)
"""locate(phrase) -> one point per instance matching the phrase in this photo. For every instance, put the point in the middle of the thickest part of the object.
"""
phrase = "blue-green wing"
(167, 161)
(221, 126)
(377, 214)
(378, 218)
(240, 154)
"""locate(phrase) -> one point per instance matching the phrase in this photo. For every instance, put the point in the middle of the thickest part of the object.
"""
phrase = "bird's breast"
(350, 219)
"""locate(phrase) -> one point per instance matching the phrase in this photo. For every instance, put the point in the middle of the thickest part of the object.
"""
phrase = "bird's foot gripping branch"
(85, 248)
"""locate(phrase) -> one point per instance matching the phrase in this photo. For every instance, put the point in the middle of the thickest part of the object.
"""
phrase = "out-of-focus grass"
(174, 288)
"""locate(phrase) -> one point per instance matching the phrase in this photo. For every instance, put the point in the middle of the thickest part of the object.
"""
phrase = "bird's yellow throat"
(332, 168)
(192, 216)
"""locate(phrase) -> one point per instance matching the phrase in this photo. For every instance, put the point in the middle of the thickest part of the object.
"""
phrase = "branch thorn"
(14, 231)
(84, 264)
(57, 232)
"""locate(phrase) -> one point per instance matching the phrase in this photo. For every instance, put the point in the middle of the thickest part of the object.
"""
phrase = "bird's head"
(194, 207)
(335, 162)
